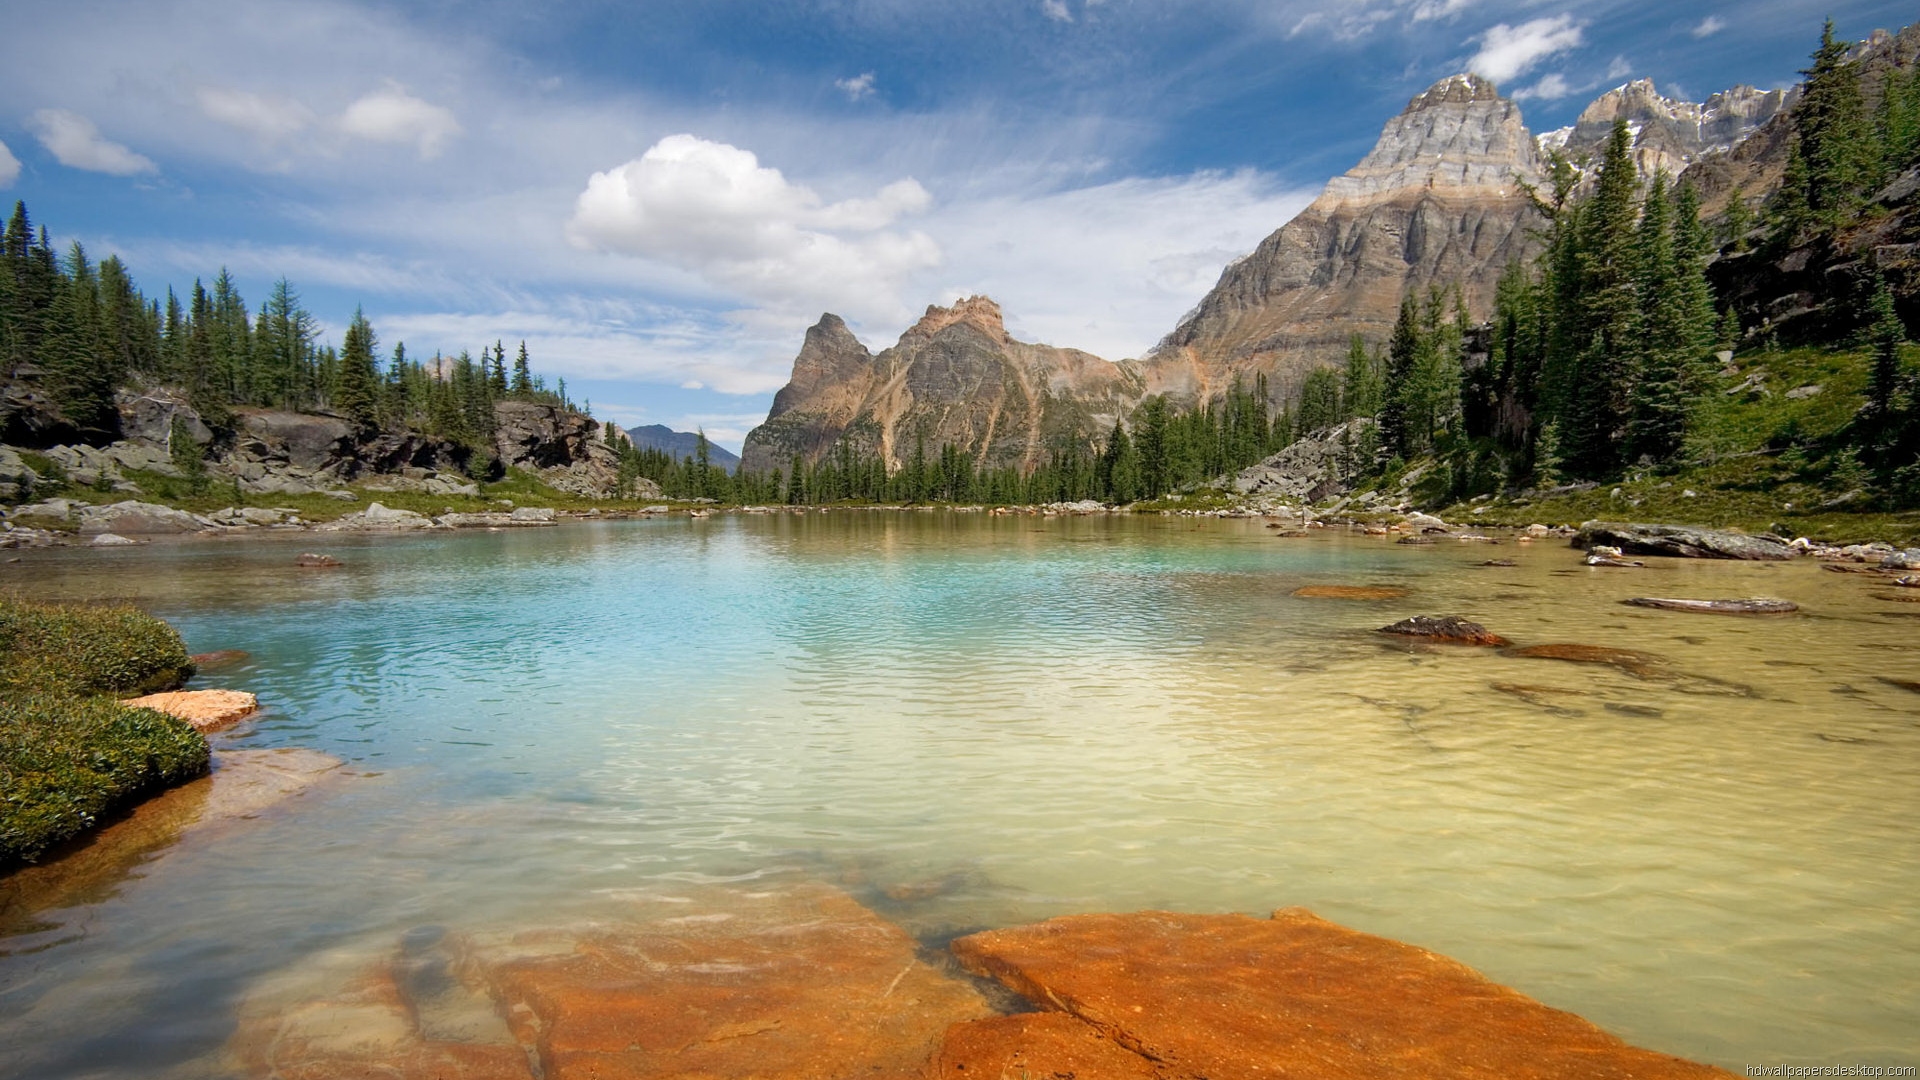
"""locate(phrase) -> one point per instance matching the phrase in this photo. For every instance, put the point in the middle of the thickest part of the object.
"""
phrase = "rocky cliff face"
(1438, 200)
(954, 378)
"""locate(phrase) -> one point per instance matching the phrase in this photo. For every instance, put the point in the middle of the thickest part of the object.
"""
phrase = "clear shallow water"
(1017, 718)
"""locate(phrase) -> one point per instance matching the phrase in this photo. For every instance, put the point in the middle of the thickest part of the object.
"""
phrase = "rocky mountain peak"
(1668, 133)
(1457, 137)
(979, 311)
(1462, 89)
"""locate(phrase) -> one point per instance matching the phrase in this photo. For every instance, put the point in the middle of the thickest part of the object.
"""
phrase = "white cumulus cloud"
(713, 209)
(1056, 10)
(9, 166)
(266, 116)
(75, 142)
(1508, 52)
(1550, 88)
(860, 86)
(1709, 26)
(392, 115)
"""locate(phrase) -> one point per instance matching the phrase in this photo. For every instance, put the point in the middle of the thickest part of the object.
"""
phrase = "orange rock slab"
(795, 981)
(1296, 997)
(206, 710)
(1036, 1046)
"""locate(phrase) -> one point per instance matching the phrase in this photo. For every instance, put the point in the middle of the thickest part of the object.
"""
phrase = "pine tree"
(522, 375)
(356, 393)
(1150, 422)
(1398, 392)
(1608, 314)
(1835, 139)
(1360, 388)
(1661, 384)
(1885, 334)
(1319, 400)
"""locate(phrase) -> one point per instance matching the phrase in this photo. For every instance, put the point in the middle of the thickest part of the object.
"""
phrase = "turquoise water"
(971, 721)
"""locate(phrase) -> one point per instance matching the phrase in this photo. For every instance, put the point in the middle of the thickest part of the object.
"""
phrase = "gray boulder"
(137, 517)
(1684, 541)
(378, 516)
(16, 476)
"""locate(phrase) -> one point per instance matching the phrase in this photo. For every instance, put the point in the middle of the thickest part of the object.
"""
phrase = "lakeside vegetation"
(70, 753)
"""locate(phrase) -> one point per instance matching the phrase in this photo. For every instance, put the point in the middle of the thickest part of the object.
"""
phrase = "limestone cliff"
(1438, 201)
(955, 378)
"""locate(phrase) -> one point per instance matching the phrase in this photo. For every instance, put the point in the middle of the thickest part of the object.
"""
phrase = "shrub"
(65, 761)
(87, 650)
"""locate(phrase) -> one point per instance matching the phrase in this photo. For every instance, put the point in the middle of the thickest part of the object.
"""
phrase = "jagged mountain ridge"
(1442, 198)
(956, 378)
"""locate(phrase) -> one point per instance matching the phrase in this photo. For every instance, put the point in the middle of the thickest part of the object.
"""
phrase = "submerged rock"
(317, 562)
(1233, 996)
(1682, 540)
(1046, 1044)
(1628, 659)
(218, 658)
(791, 981)
(1750, 606)
(1451, 628)
(1349, 592)
(206, 710)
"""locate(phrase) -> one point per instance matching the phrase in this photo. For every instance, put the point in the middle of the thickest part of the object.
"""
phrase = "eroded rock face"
(1438, 200)
(564, 447)
(1220, 996)
(793, 980)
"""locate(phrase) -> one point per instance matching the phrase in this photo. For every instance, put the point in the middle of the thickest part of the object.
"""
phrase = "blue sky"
(659, 197)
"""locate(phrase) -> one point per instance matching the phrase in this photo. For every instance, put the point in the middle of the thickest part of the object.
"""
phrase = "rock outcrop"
(562, 446)
(1685, 541)
(955, 378)
(1439, 200)
(1317, 467)
(206, 710)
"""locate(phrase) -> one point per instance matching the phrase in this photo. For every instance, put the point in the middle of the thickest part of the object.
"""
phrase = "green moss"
(67, 761)
(84, 650)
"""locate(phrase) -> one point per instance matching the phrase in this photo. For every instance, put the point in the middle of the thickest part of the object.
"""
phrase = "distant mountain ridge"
(680, 444)
(1445, 197)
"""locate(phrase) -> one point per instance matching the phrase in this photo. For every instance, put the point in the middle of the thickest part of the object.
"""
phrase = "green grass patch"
(66, 762)
(79, 649)
(70, 752)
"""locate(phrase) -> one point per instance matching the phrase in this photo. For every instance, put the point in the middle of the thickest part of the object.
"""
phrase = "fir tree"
(1360, 388)
(1398, 392)
(356, 393)
(1319, 400)
(1608, 314)
(522, 374)
(1667, 339)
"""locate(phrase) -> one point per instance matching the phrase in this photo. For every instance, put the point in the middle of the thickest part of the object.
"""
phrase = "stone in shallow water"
(206, 710)
(1295, 996)
(1451, 628)
(1757, 605)
(1349, 592)
(218, 658)
(796, 980)
(1628, 659)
